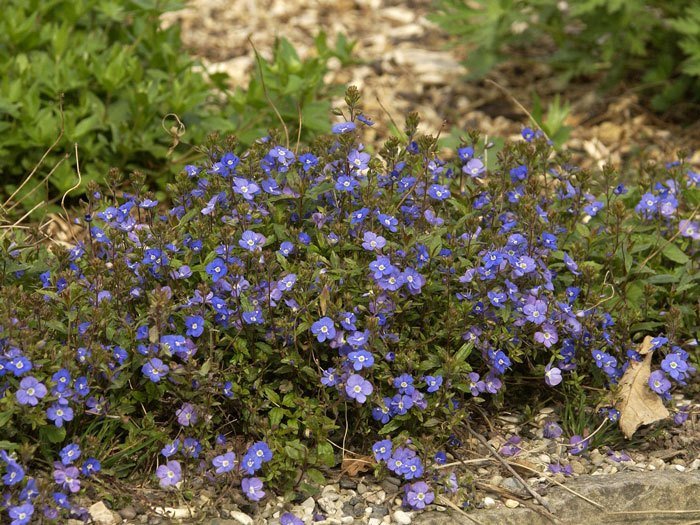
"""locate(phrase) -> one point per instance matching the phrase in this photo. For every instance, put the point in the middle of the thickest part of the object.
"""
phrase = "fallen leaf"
(354, 466)
(637, 403)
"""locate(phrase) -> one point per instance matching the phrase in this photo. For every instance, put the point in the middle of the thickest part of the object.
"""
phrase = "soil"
(407, 63)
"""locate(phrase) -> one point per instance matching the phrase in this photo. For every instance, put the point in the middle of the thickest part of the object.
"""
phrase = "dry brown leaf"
(637, 403)
(354, 466)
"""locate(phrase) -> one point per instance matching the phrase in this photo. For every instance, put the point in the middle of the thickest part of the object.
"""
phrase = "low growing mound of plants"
(283, 303)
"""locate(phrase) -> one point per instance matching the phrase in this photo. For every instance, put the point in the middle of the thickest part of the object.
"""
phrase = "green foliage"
(117, 82)
(655, 43)
(265, 247)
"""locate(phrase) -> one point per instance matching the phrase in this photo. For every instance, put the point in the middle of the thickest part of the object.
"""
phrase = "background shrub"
(654, 44)
(121, 74)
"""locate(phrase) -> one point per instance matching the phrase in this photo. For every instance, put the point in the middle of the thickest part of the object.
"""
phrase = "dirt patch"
(406, 63)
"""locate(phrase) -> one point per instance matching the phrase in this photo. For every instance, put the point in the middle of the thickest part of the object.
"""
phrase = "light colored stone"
(374, 521)
(328, 504)
(101, 515)
(347, 520)
(241, 518)
(679, 468)
(511, 503)
(401, 517)
(375, 497)
(178, 513)
(308, 505)
(695, 465)
(489, 502)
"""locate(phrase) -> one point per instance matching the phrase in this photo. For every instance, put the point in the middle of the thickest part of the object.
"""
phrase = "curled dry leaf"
(637, 403)
(354, 466)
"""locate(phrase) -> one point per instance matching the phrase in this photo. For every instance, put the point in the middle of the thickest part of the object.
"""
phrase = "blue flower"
(286, 249)
(361, 359)
(433, 383)
(323, 329)
(195, 325)
(382, 450)
(389, 222)
(343, 127)
(216, 269)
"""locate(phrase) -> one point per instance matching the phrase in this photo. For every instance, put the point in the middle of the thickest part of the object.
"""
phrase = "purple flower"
(171, 449)
(21, 514)
(658, 382)
(216, 269)
(247, 189)
(618, 456)
(373, 242)
(674, 365)
(186, 415)
(536, 312)
(290, 519)
(155, 369)
(323, 329)
(252, 241)
(474, 168)
(252, 488)
(689, 229)
(358, 388)
(358, 160)
(224, 463)
(551, 430)
(30, 391)
(578, 444)
(169, 474)
(647, 205)
(475, 384)
(329, 377)
(67, 477)
(59, 413)
(547, 336)
(552, 375)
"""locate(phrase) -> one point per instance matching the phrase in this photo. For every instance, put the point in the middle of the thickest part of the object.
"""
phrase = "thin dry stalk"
(258, 60)
(510, 469)
(41, 160)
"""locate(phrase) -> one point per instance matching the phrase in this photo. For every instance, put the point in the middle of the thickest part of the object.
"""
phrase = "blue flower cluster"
(405, 285)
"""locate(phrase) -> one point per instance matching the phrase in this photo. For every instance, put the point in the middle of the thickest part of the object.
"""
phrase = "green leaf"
(53, 434)
(316, 476)
(675, 254)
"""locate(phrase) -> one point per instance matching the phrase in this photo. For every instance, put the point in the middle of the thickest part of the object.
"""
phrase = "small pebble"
(511, 503)
(401, 517)
(489, 502)
(347, 483)
(241, 518)
(679, 468)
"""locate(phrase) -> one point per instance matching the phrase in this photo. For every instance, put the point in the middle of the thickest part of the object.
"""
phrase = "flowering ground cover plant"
(285, 301)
